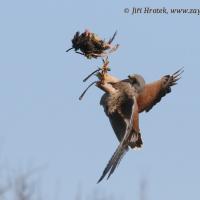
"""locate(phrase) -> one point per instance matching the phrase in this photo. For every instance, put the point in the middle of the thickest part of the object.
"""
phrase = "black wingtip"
(113, 162)
(101, 178)
(178, 72)
(113, 37)
(106, 170)
(176, 76)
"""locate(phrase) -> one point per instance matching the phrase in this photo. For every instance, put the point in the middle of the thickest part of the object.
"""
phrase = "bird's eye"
(132, 79)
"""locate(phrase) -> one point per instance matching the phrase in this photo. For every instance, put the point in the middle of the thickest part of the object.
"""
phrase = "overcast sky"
(42, 122)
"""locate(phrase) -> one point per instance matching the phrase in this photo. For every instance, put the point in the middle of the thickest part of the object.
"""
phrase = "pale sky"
(44, 123)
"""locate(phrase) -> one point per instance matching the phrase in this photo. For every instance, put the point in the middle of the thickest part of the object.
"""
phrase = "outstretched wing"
(123, 146)
(153, 92)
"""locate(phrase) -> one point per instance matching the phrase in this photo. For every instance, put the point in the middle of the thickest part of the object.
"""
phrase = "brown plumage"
(91, 46)
(123, 101)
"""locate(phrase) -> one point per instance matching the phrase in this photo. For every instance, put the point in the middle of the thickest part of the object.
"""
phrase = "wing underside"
(124, 138)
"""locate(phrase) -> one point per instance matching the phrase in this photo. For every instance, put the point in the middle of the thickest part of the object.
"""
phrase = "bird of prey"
(123, 101)
(91, 46)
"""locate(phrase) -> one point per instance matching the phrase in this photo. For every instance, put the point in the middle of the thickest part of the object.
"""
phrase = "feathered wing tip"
(113, 37)
(176, 76)
(113, 162)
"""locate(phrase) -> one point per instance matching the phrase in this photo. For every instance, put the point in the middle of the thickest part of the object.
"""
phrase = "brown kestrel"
(123, 101)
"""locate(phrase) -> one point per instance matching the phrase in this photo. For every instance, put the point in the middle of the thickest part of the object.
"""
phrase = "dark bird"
(123, 101)
(91, 46)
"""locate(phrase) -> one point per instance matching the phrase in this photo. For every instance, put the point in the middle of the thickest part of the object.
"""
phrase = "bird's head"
(137, 81)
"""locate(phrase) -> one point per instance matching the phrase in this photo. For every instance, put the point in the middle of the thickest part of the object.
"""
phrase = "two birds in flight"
(123, 100)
